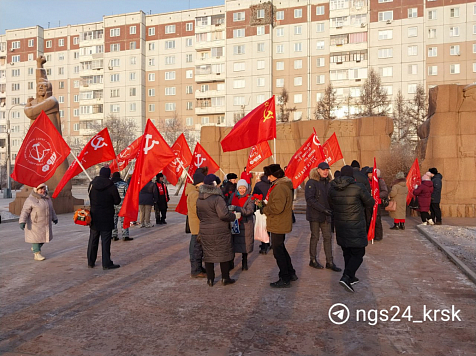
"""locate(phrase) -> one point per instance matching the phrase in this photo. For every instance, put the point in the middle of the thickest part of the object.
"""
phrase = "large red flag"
(98, 149)
(332, 150)
(154, 155)
(200, 159)
(306, 158)
(183, 155)
(126, 155)
(41, 152)
(413, 178)
(258, 126)
(375, 189)
(258, 154)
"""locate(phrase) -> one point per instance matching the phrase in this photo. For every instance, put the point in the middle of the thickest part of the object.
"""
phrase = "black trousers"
(105, 247)
(353, 257)
(159, 212)
(282, 257)
(425, 216)
(435, 212)
(378, 224)
(224, 267)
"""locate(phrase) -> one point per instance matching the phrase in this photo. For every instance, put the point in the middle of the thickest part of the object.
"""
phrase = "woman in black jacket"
(215, 232)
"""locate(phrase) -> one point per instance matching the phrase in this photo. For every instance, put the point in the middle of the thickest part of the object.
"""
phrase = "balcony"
(210, 110)
(209, 44)
(208, 94)
(209, 60)
(210, 77)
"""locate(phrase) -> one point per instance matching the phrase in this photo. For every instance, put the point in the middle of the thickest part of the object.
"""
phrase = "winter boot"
(402, 226)
(395, 226)
(430, 222)
(38, 257)
(244, 262)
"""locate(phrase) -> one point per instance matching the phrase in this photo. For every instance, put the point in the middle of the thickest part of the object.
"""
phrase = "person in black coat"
(348, 200)
(318, 213)
(148, 195)
(435, 211)
(262, 188)
(162, 200)
(229, 186)
(103, 195)
(361, 177)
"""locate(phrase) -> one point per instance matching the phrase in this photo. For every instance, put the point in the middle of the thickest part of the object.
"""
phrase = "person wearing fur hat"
(423, 192)
(348, 200)
(39, 230)
(399, 193)
(229, 186)
(383, 194)
(278, 211)
(436, 179)
(318, 213)
(195, 249)
(121, 186)
(241, 203)
(214, 230)
(103, 195)
(163, 198)
(262, 188)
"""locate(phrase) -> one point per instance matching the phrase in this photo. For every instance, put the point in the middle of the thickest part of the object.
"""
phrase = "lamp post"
(8, 192)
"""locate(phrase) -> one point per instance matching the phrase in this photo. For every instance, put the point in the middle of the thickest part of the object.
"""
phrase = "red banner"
(306, 158)
(40, 154)
(200, 159)
(154, 155)
(183, 155)
(98, 149)
(413, 178)
(258, 126)
(332, 150)
(375, 189)
(258, 154)
(126, 155)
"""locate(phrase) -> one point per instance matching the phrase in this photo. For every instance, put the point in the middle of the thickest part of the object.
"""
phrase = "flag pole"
(181, 165)
(274, 152)
(77, 160)
(128, 171)
(221, 170)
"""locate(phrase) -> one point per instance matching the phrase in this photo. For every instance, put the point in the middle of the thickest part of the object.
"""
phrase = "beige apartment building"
(210, 66)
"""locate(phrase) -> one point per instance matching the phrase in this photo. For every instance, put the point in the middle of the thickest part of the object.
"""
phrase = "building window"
(240, 32)
(132, 45)
(132, 107)
(15, 86)
(385, 53)
(239, 16)
(239, 49)
(413, 69)
(115, 32)
(151, 46)
(454, 68)
(133, 60)
(170, 29)
(170, 75)
(280, 48)
(76, 98)
(298, 64)
(433, 70)
(61, 99)
(61, 85)
(320, 27)
(189, 89)
(454, 50)
(432, 51)
(31, 85)
(31, 43)
(151, 31)
(382, 1)
(132, 91)
(188, 58)
(280, 65)
(385, 16)
(411, 89)
(115, 47)
(115, 108)
(260, 64)
(298, 30)
(297, 81)
(385, 35)
(454, 31)
(386, 72)
(151, 77)
(132, 30)
(170, 44)
(48, 44)
(321, 62)
(412, 12)
(280, 82)
(114, 93)
(412, 31)
(260, 82)
(30, 71)
(189, 26)
(320, 45)
(412, 50)
(188, 42)
(297, 98)
(260, 30)
(114, 78)
(169, 106)
(320, 10)
(454, 12)
(260, 47)
(151, 92)
(239, 83)
(76, 40)
(132, 76)
(189, 74)
(151, 107)
(238, 100)
(297, 13)
(260, 14)
(189, 121)
(432, 15)
(152, 61)
(238, 66)
(280, 32)
(298, 47)
(280, 15)
(168, 60)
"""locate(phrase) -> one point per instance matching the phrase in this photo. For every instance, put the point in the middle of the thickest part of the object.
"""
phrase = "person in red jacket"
(423, 192)
(246, 176)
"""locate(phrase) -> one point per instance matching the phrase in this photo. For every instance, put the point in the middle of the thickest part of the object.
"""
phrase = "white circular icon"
(339, 313)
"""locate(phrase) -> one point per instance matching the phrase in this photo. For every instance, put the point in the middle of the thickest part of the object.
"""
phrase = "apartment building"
(211, 66)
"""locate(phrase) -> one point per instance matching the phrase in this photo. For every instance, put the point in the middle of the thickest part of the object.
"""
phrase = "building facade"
(211, 66)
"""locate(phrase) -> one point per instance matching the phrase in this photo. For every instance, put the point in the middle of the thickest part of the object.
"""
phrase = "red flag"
(258, 154)
(332, 150)
(41, 152)
(126, 155)
(413, 178)
(200, 159)
(258, 126)
(375, 189)
(183, 155)
(154, 155)
(98, 149)
(306, 158)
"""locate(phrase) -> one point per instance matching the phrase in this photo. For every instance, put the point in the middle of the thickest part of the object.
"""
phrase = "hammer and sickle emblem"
(38, 157)
(98, 142)
(147, 148)
(199, 161)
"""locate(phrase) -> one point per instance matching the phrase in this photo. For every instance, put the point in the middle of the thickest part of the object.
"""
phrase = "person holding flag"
(121, 186)
(348, 200)
(163, 198)
(383, 194)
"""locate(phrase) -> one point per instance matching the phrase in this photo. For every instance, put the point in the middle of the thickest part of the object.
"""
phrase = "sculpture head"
(44, 89)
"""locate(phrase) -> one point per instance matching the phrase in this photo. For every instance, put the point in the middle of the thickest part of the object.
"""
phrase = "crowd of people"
(222, 223)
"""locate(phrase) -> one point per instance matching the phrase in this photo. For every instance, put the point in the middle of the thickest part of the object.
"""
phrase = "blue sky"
(27, 13)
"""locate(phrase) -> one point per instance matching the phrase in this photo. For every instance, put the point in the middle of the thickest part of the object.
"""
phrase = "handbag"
(414, 204)
(235, 227)
(392, 206)
(384, 202)
(187, 226)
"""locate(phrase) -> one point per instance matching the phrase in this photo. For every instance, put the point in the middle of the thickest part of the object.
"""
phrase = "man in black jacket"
(103, 195)
(163, 198)
(348, 200)
(436, 179)
(361, 177)
(318, 214)
(262, 188)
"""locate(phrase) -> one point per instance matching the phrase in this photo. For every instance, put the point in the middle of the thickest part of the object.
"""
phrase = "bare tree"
(401, 120)
(284, 111)
(327, 105)
(121, 131)
(418, 108)
(172, 128)
(373, 99)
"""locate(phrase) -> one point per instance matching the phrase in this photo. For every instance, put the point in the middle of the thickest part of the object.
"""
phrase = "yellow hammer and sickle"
(267, 115)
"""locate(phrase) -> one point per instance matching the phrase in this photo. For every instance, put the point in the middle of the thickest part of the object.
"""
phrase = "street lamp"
(8, 192)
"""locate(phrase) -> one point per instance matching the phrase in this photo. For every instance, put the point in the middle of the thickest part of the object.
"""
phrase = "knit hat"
(400, 175)
(105, 172)
(347, 171)
(243, 183)
(274, 170)
(433, 171)
(231, 176)
(355, 163)
(425, 177)
(211, 179)
(198, 177)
